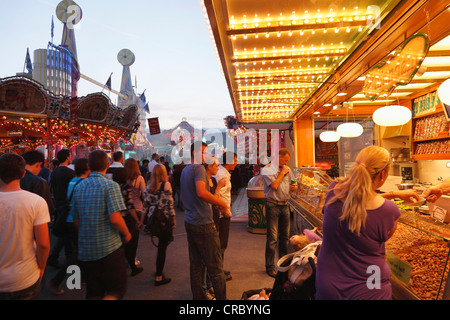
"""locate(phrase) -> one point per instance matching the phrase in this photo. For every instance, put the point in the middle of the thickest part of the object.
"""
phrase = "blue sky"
(175, 59)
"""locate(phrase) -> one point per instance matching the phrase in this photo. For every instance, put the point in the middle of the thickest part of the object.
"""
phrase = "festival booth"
(344, 77)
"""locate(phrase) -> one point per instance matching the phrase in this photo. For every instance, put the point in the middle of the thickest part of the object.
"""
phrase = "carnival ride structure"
(42, 108)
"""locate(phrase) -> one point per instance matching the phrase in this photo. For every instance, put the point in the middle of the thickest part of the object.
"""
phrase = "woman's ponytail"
(359, 192)
(357, 187)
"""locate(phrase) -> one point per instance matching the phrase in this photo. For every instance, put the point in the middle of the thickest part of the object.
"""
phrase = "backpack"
(159, 225)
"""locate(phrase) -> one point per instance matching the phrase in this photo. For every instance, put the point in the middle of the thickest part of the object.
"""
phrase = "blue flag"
(28, 62)
(53, 29)
(109, 84)
(143, 98)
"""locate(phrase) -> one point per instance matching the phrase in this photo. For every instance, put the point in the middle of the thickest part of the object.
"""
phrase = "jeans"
(130, 248)
(278, 224)
(72, 259)
(204, 250)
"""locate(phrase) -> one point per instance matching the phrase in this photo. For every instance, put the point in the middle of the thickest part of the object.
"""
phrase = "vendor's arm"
(434, 193)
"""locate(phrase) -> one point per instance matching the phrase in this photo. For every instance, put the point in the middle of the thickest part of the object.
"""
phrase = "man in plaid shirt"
(96, 208)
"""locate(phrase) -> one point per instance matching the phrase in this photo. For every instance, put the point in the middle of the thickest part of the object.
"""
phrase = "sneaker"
(209, 295)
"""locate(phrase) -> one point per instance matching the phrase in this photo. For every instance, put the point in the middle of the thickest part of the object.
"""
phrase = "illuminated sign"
(398, 68)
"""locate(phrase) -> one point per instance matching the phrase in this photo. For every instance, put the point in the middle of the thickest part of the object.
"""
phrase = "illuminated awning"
(276, 54)
(284, 60)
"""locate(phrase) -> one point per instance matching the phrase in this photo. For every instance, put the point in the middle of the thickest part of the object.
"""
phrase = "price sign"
(439, 214)
(399, 268)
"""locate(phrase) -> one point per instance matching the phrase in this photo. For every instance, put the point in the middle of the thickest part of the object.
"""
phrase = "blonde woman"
(357, 223)
(159, 181)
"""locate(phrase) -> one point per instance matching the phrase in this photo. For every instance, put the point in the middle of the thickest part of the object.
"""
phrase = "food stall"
(418, 253)
(324, 68)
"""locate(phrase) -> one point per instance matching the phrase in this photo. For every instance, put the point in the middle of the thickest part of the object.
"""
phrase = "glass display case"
(312, 184)
(418, 253)
(419, 264)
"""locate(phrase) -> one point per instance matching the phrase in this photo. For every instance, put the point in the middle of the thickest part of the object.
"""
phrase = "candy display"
(431, 127)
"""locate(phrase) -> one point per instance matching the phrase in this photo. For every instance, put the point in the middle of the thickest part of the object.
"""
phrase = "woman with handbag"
(158, 197)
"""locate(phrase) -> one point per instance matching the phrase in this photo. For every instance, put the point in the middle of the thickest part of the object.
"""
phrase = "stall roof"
(289, 59)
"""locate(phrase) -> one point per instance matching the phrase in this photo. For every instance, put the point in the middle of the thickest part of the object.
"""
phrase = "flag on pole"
(28, 63)
(108, 83)
(143, 98)
(146, 108)
(53, 29)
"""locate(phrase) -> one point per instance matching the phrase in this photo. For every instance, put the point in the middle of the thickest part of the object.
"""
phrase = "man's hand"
(285, 171)
(126, 238)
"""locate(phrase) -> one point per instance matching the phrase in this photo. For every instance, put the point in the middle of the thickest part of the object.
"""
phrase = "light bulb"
(391, 116)
(350, 130)
(330, 136)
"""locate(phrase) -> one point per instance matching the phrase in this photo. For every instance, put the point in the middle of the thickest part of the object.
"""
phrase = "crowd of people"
(97, 208)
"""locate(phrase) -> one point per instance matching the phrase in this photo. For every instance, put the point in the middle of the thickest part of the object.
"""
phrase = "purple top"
(343, 271)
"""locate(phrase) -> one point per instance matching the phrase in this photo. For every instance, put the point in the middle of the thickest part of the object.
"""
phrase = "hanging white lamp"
(350, 130)
(444, 92)
(391, 116)
(330, 136)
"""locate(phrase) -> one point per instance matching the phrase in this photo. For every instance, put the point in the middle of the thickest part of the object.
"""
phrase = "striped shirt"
(94, 200)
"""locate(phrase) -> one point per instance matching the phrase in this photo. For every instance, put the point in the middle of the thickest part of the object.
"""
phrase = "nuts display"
(426, 255)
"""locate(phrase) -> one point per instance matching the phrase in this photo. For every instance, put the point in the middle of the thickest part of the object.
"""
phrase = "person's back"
(24, 242)
(97, 204)
(93, 202)
(197, 211)
(357, 223)
(352, 255)
(21, 211)
(59, 181)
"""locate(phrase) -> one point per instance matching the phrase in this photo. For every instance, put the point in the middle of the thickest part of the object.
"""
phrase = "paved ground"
(244, 258)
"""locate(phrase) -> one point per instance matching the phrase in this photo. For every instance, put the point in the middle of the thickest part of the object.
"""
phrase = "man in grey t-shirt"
(197, 211)
(277, 186)
(202, 235)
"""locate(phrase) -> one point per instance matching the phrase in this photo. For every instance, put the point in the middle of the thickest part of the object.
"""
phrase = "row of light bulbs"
(294, 20)
(301, 32)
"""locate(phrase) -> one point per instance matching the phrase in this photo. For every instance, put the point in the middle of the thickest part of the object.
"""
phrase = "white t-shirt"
(225, 192)
(151, 165)
(20, 212)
